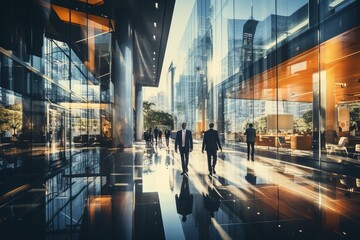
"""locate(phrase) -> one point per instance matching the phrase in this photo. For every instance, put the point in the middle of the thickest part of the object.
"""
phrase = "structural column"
(139, 113)
(122, 70)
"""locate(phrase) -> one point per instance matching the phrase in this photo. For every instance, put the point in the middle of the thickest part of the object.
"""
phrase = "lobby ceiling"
(151, 20)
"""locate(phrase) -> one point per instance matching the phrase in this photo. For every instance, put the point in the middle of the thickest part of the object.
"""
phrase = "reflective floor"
(140, 194)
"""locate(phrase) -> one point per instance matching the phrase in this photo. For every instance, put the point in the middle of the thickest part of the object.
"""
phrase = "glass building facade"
(71, 78)
(55, 88)
(67, 84)
(288, 67)
(55, 80)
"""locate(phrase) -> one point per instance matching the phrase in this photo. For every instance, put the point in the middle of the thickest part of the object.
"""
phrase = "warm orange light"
(93, 2)
(84, 105)
(103, 200)
(80, 18)
(99, 206)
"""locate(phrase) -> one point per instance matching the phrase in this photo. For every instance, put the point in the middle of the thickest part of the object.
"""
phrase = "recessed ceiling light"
(154, 59)
(154, 37)
(335, 3)
(153, 65)
(155, 25)
(156, 5)
(154, 53)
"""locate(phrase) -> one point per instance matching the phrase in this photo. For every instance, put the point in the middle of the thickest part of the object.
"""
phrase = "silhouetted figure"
(148, 136)
(212, 201)
(184, 141)
(250, 140)
(160, 136)
(184, 202)
(167, 134)
(211, 143)
(156, 134)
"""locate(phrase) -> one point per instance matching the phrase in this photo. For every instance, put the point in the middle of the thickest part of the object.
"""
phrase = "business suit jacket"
(188, 140)
(211, 141)
(250, 134)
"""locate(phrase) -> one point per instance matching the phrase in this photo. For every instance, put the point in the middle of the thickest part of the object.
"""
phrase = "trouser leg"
(182, 156)
(214, 159)
(252, 150)
(186, 160)
(209, 161)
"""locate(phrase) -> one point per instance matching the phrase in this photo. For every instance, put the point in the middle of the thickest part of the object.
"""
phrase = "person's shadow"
(211, 201)
(250, 176)
(184, 201)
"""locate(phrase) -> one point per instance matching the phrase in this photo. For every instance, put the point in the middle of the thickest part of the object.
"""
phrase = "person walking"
(250, 140)
(160, 136)
(167, 133)
(150, 136)
(184, 142)
(156, 133)
(211, 143)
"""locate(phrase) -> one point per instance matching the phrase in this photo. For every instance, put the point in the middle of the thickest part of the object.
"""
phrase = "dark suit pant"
(212, 154)
(250, 144)
(184, 158)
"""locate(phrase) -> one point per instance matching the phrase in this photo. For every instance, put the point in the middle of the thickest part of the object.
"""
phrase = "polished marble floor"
(141, 194)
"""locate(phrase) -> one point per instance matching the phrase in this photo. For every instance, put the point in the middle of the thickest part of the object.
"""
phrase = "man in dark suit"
(185, 142)
(167, 137)
(211, 143)
(156, 133)
(250, 140)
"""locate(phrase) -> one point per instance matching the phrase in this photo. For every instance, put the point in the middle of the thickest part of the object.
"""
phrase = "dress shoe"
(214, 171)
(182, 173)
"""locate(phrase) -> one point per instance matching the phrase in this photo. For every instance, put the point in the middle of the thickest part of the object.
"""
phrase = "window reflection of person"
(184, 201)
(352, 129)
(331, 135)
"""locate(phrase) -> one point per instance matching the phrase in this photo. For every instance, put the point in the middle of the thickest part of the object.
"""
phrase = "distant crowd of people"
(155, 136)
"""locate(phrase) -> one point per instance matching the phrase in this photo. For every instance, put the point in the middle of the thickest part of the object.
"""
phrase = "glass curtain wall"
(55, 106)
(339, 78)
(281, 65)
(55, 90)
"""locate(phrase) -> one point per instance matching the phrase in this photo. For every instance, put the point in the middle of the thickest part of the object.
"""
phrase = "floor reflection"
(140, 194)
(184, 200)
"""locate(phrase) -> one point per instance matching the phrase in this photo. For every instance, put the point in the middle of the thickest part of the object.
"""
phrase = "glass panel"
(13, 131)
(294, 80)
(339, 82)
